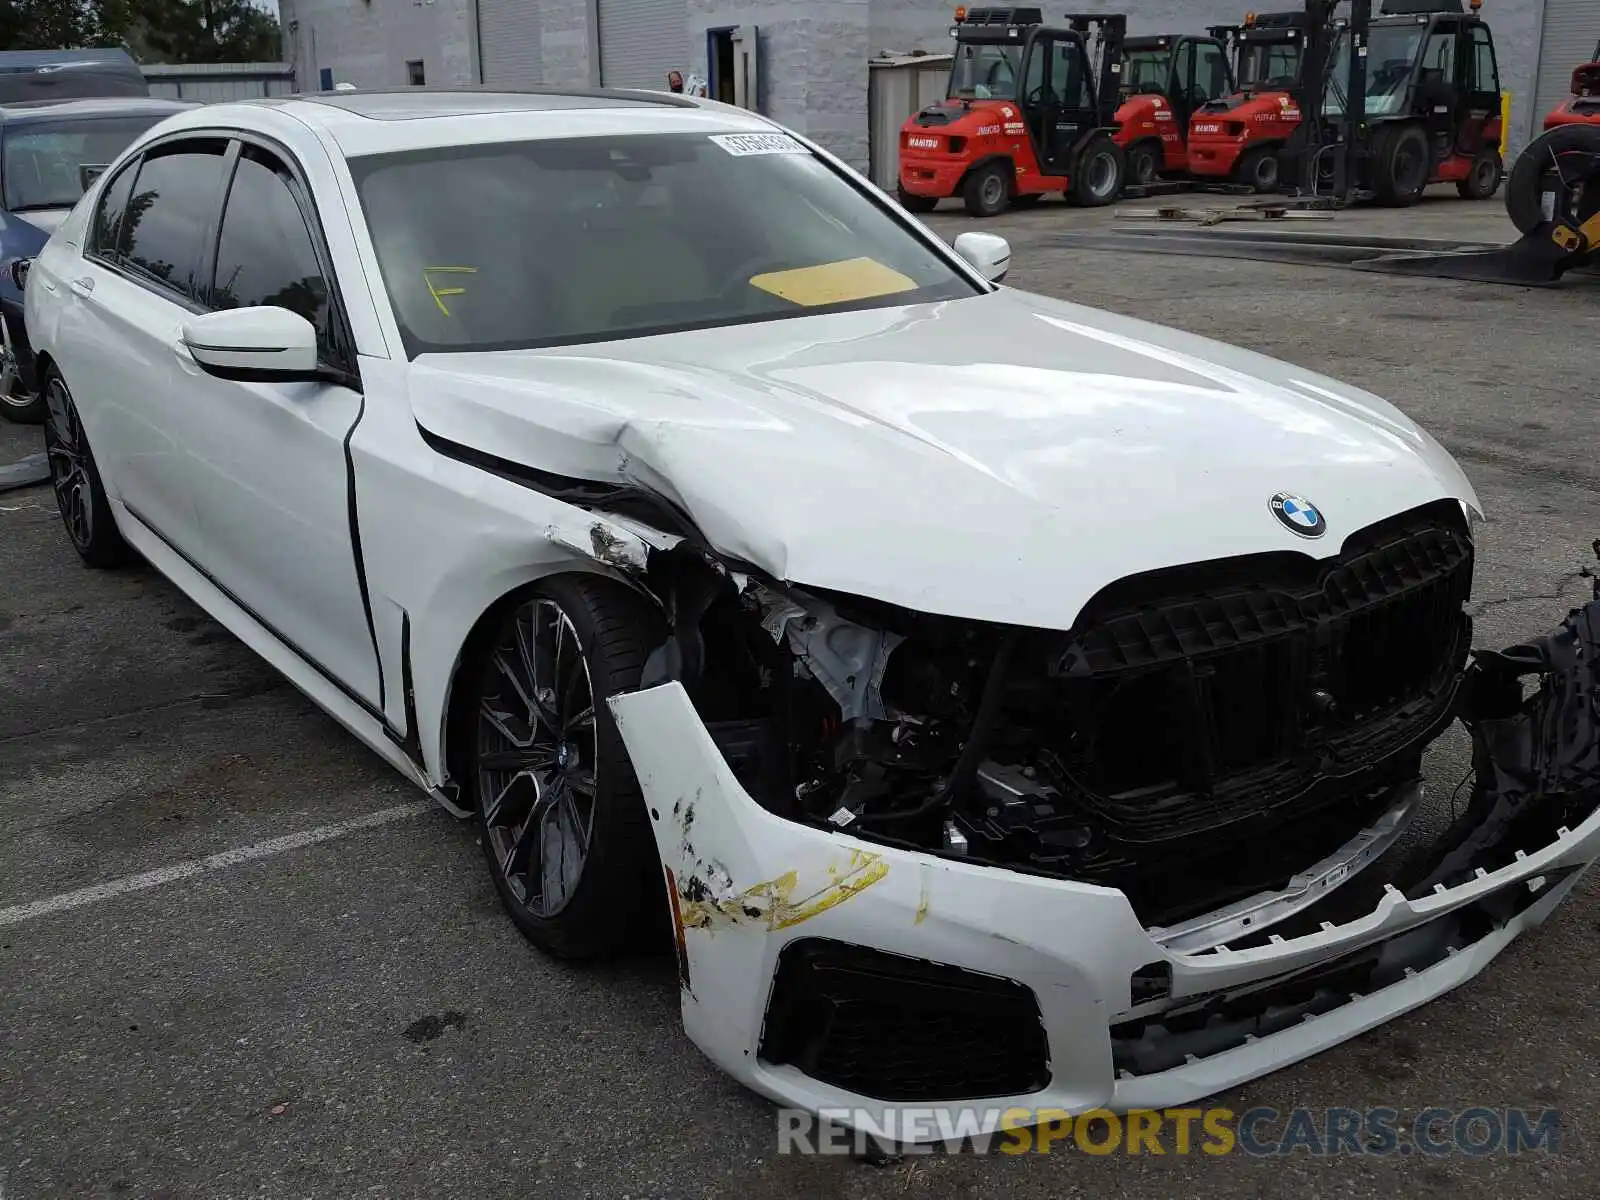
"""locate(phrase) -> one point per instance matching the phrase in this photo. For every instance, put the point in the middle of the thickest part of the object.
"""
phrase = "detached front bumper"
(832, 973)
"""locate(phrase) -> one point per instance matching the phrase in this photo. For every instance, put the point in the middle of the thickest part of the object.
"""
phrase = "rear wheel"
(1144, 163)
(1100, 172)
(1402, 163)
(987, 190)
(912, 202)
(1484, 179)
(75, 479)
(1561, 165)
(563, 821)
(1259, 169)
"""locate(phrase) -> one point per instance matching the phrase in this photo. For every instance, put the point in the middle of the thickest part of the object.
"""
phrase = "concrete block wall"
(564, 33)
(368, 42)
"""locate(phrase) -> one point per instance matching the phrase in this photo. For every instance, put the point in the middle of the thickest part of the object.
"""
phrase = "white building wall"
(369, 42)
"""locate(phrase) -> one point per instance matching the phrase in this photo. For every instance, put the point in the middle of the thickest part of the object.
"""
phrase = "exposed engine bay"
(1199, 736)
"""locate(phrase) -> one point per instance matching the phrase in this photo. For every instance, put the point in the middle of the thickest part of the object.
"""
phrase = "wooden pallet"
(1260, 211)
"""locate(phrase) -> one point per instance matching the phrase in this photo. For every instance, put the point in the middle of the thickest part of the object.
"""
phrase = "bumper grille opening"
(902, 1029)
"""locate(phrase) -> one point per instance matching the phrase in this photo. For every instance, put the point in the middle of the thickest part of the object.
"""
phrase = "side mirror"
(253, 345)
(988, 252)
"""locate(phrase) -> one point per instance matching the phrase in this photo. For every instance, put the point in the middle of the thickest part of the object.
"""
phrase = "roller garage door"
(508, 31)
(1571, 29)
(641, 40)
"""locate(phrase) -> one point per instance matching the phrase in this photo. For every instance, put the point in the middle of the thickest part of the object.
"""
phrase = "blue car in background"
(50, 150)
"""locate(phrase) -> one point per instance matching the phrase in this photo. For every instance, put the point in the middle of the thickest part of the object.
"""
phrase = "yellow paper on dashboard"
(835, 282)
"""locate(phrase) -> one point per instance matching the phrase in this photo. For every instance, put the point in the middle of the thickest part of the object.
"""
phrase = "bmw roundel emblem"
(1298, 515)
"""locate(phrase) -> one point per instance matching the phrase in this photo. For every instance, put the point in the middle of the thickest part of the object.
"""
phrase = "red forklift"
(1583, 106)
(1166, 79)
(1416, 103)
(1025, 114)
(1237, 137)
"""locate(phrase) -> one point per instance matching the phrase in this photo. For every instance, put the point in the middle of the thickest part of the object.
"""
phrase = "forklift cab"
(1189, 72)
(1009, 54)
(1430, 61)
(1267, 50)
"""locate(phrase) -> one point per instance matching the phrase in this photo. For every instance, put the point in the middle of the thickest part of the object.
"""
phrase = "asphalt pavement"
(339, 1009)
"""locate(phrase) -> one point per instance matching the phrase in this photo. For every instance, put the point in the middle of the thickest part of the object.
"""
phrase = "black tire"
(1484, 178)
(75, 480)
(539, 771)
(1144, 163)
(987, 190)
(912, 202)
(1535, 173)
(1402, 164)
(1258, 169)
(1100, 172)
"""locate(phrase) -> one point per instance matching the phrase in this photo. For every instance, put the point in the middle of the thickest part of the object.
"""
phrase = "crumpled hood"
(1002, 457)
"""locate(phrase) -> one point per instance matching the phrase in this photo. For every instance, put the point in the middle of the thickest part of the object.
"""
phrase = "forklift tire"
(1144, 163)
(1539, 170)
(987, 190)
(1099, 174)
(1401, 165)
(1484, 179)
(914, 203)
(1259, 169)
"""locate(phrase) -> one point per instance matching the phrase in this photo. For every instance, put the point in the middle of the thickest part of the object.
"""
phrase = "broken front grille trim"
(1201, 694)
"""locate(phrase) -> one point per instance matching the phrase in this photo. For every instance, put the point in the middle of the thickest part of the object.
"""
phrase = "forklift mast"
(1110, 32)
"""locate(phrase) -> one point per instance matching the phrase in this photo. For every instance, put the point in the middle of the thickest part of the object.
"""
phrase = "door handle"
(82, 286)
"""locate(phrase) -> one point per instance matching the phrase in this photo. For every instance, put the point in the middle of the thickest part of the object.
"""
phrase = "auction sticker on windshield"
(834, 283)
(758, 143)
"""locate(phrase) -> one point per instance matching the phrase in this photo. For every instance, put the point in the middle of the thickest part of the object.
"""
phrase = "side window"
(174, 200)
(1439, 58)
(1210, 72)
(1066, 74)
(1486, 72)
(105, 235)
(1033, 73)
(1183, 72)
(265, 254)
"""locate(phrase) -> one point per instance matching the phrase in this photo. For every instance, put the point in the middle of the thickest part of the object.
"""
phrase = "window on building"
(416, 76)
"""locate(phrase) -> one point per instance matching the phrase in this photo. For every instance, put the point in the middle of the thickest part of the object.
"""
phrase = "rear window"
(555, 242)
(45, 164)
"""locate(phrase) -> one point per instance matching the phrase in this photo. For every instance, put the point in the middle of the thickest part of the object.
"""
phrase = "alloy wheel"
(69, 464)
(537, 757)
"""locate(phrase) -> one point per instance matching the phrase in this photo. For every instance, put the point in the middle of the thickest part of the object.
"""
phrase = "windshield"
(1391, 54)
(1263, 66)
(985, 71)
(1146, 71)
(42, 164)
(515, 245)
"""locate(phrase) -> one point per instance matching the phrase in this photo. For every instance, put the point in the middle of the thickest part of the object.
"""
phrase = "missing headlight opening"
(1201, 738)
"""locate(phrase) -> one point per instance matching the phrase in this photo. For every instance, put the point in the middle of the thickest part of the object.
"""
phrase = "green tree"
(201, 31)
(65, 24)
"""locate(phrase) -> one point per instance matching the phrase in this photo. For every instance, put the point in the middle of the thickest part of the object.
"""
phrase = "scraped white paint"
(203, 866)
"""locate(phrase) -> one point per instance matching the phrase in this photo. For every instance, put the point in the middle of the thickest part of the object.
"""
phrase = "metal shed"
(898, 86)
(209, 83)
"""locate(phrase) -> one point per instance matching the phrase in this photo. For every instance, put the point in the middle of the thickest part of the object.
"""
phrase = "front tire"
(1099, 174)
(1402, 164)
(563, 821)
(1144, 163)
(75, 479)
(987, 190)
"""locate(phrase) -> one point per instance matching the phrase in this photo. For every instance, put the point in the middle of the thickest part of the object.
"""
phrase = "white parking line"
(202, 866)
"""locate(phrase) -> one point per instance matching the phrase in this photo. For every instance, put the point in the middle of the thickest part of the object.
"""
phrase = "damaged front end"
(914, 859)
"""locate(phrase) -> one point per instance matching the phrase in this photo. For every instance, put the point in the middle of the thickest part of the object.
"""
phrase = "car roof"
(375, 122)
(25, 111)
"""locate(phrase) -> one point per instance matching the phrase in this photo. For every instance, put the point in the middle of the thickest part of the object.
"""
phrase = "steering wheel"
(1043, 94)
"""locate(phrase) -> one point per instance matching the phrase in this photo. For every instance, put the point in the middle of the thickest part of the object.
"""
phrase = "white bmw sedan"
(987, 695)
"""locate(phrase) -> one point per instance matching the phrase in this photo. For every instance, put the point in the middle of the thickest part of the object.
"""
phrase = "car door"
(1482, 75)
(271, 478)
(120, 318)
(1056, 98)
